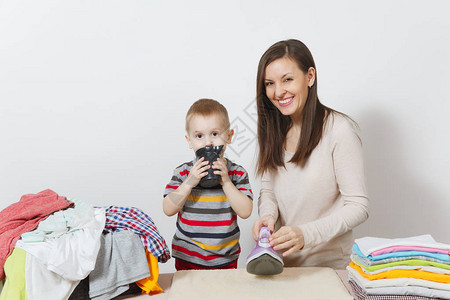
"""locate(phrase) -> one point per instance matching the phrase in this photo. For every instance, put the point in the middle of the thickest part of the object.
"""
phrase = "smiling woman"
(287, 86)
(287, 70)
(310, 158)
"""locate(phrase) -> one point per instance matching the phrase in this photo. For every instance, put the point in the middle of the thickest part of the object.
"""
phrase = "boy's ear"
(230, 136)
(189, 141)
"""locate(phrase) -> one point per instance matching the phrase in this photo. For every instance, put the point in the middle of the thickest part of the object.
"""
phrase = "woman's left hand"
(287, 237)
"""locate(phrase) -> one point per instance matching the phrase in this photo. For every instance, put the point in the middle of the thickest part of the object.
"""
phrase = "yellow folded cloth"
(400, 273)
(15, 276)
(150, 284)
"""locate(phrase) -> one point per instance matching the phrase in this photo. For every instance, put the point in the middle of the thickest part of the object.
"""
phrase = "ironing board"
(166, 281)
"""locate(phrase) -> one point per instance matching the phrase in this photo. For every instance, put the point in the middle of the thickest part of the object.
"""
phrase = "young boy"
(207, 234)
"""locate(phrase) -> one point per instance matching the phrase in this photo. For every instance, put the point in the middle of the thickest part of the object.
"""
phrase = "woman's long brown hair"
(274, 126)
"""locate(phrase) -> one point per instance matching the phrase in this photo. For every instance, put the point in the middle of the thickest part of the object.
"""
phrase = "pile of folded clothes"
(55, 248)
(404, 268)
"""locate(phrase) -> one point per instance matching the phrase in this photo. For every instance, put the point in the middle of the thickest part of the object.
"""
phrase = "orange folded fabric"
(150, 284)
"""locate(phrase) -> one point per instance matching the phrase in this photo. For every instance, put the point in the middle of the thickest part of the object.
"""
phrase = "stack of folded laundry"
(55, 248)
(405, 268)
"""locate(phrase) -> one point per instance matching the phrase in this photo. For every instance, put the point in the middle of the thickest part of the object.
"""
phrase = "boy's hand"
(221, 169)
(198, 171)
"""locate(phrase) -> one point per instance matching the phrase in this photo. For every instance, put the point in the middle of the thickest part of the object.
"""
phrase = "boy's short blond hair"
(208, 107)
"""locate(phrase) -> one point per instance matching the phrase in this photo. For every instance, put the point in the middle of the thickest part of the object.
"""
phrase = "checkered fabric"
(131, 218)
(360, 294)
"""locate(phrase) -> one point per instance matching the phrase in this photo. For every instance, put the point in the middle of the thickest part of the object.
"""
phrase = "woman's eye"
(288, 79)
(268, 83)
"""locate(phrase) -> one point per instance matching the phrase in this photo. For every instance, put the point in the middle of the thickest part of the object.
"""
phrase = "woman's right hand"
(265, 221)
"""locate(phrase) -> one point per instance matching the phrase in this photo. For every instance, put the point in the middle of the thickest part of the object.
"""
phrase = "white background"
(94, 93)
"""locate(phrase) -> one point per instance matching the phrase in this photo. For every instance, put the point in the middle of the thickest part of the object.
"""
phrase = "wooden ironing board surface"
(293, 283)
(165, 281)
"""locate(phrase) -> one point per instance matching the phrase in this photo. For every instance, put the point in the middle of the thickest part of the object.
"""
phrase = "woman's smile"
(285, 101)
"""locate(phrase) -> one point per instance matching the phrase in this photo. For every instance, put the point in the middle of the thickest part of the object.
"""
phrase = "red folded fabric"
(24, 216)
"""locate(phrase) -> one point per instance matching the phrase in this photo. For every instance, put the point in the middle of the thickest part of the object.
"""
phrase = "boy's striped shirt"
(207, 232)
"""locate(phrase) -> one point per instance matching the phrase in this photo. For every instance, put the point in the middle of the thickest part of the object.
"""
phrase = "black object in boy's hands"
(210, 153)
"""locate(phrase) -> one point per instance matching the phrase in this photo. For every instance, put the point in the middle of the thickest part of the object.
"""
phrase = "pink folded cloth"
(24, 216)
(408, 248)
(368, 244)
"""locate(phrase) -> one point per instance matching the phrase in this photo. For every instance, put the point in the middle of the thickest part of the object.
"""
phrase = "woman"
(310, 158)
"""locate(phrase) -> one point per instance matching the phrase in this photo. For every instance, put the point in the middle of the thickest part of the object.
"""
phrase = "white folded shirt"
(367, 245)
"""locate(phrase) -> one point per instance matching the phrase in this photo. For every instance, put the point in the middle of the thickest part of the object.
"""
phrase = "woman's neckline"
(289, 152)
